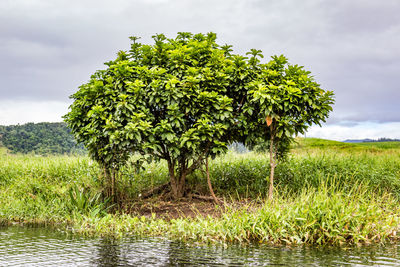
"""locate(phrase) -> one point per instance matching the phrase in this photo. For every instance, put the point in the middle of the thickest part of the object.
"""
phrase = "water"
(43, 247)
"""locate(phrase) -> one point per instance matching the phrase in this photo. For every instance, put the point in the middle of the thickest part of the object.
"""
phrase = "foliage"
(173, 100)
(288, 99)
(282, 148)
(185, 99)
(39, 138)
(84, 201)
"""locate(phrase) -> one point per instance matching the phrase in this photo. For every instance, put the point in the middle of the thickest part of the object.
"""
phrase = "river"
(27, 246)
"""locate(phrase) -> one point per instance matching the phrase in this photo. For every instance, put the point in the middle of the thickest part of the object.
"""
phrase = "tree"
(174, 100)
(286, 101)
(185, 99)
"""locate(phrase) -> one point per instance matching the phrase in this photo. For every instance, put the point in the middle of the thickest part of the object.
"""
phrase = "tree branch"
(241, 104)
(199, 159)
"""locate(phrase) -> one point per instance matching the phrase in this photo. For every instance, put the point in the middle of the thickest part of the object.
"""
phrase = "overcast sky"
(50, 47)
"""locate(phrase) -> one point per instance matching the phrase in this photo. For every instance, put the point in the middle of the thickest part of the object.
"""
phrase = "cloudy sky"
(50, 47)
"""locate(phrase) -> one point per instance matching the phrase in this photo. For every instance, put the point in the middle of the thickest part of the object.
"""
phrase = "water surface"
(22, 246)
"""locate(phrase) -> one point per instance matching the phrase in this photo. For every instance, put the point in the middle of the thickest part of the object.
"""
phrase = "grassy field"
(327, 192)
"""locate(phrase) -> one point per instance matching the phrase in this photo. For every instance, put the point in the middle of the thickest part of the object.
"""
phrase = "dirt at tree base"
(189, 207)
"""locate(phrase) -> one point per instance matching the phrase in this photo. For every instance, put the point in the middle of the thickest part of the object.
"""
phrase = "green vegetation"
(318, 216)
(327, 193)
(186, 99)
(289, 100)
(39, 138)
(384, 145)
(322, 144)
(37, 188)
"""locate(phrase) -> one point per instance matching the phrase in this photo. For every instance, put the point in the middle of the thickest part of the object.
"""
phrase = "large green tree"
(185, 99)
(175, 100)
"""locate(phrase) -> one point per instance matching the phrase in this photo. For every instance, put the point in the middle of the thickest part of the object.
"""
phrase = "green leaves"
(288, 94)
(186, 98)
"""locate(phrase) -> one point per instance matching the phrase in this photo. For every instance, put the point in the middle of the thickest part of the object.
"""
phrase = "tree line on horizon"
(368, 140)
(40, 138)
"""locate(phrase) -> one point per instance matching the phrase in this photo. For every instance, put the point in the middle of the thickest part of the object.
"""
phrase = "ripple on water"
(43, 247)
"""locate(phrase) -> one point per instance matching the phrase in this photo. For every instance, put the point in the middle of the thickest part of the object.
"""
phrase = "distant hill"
(39, 138)
(357, 140)
(371, 140)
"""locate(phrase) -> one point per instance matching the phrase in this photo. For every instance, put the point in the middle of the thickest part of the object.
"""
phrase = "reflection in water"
(130, 252)
(43, 247)
(107, 254)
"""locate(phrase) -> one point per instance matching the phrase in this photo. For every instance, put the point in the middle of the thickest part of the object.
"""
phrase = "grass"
(311, 162)
(38, 187)
(318, 217)
(327, 192)
(382, 145)
(315, 143)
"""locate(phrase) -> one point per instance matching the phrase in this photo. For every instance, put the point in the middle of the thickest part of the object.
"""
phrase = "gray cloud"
(49, 48)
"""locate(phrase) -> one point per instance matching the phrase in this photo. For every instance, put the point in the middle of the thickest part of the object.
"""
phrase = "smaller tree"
(285, 100)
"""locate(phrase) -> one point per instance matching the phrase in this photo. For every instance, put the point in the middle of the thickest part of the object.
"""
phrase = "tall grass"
(327, 192)
(321, 216)
(247, 174)
(37, 187)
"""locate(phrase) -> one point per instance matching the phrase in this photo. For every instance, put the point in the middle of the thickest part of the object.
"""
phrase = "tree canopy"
(185, 99)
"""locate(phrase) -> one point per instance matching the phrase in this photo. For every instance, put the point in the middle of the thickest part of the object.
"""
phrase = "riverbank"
(326, 193)
(317, 217)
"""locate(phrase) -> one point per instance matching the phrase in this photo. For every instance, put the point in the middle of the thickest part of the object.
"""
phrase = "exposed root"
(206, 198)
(164, 188)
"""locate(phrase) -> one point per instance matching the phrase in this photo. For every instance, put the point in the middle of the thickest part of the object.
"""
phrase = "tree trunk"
(113, 186)
(178, 176)
(174, 186)
(107, 179)
(209, 183)
(104, 183)
(177, 186)
(272, 161)
(177, 182)
(181, 184)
